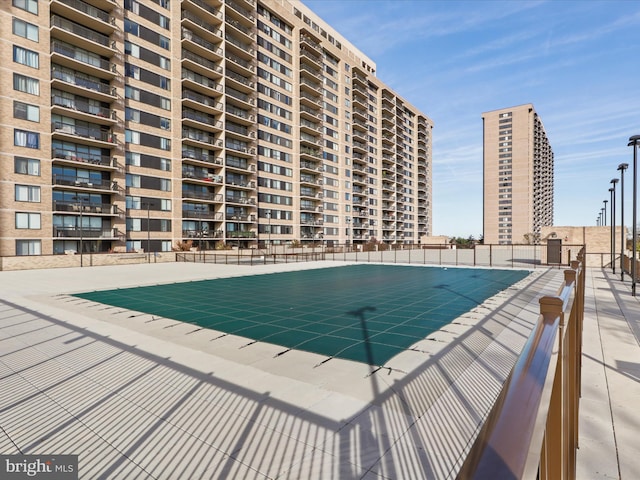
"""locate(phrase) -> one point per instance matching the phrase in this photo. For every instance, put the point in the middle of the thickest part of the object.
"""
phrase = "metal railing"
(499, 256)
(532, 430)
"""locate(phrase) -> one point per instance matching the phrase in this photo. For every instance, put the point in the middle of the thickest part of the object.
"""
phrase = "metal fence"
(502, 256)
(532, 430)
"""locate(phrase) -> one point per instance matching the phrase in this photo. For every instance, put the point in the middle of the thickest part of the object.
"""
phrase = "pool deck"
(142, 397)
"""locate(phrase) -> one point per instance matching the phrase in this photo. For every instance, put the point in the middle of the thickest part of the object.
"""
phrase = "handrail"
(531, 431)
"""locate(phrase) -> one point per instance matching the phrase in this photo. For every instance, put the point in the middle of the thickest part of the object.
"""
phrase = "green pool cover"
(367, 313)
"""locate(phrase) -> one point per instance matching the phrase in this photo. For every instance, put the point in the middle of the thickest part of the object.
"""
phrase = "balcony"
(104, 209)
(244, 117)
(81, 36)
(242, 49)
(194, 21)
(205, 196)
(93, 135)
(200, 136)
(86, 232)
(82, 109)
(204, 9)
(79, 83)
(204, 121)
(246, 30)
(84, 14)
(202, 214)
(239, 200)
(201, 102)
(75, 157)
(83, 182)
(80, 59)
(206, 67)
(240, 81)
(194, 155)
(245, 15)
(238, 163)
(200, 46)
(196, 81)
(247, 65)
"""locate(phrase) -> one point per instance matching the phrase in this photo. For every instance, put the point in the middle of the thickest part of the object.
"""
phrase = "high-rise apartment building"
(518, 176)
(138, 124)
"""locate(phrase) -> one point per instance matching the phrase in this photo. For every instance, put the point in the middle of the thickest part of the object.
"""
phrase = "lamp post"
(613, 224)
(348, 220)
(80, 200)
(622, 167)
(604, 210)
(148, 206)
(634, 141)
(200, 231)
(269, 233)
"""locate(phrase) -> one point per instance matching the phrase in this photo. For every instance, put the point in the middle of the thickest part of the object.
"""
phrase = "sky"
(577, 62)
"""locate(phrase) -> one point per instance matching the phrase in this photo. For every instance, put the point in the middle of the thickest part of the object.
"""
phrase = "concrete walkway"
(610, 404)
(142, 397)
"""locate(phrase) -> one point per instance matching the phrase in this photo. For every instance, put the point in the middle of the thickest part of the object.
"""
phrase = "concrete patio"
(142, 397)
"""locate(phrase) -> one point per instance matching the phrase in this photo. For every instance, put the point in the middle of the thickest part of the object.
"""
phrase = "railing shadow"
(128, 412)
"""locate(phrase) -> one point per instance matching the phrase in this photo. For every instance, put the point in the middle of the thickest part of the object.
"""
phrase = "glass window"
(26, 57)
(23, 138)
(29, 221)
(26, 84)
(27, 193)
(25, 111)
(30, 6)
(28, 247)
(25, 29)
(27, 166)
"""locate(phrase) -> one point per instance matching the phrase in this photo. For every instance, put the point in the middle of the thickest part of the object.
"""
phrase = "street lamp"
(269, 232)
(148, 205)
(602, 221)
(622, 167)
(80, 200)
(605, 211)
(634, 141)
(348, 220)
(613, 223)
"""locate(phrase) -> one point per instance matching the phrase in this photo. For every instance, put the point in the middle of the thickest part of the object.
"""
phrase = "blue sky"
(578, 62)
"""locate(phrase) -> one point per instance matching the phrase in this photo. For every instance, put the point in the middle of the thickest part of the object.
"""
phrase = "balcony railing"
(76, 156)
(245, 13)
(84, 182)
(80, 55)
(202, 156)
(79, 30)
(205, 62)
(210, 46)
(203, 99)
(98, 208)
(83, 82)
(201, 23)
(81, 106)
(82, 131)
(88, 9)
(87, 232)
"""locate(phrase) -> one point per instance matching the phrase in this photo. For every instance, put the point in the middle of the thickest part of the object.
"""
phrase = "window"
(29, 221)
(26, 84)
(25, 111)
(30, 6)
(23, 138)
(26, 57)
(27, 166)
(25, 29)
(27, 193)
(28, 247)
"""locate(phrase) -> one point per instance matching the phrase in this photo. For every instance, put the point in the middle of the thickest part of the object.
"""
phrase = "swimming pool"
(366, 313)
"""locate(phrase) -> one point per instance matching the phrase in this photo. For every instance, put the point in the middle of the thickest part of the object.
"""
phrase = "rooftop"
(138, 396)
